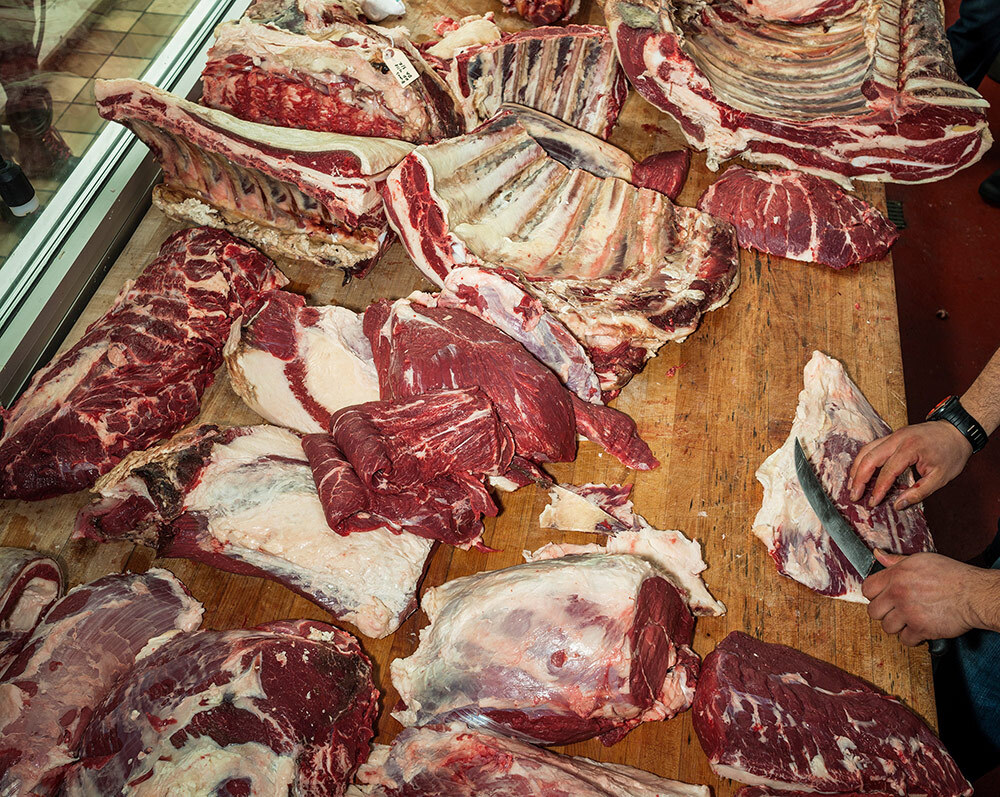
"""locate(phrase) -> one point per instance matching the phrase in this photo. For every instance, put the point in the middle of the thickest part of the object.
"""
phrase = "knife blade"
(841, 532)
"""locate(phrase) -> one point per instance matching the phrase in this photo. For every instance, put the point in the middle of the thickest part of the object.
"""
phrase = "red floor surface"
(948, 259)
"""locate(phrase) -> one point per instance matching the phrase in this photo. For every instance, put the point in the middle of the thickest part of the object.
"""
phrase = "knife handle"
(877, 567)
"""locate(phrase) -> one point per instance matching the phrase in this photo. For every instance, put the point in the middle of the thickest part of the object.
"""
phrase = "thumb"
(886, 558)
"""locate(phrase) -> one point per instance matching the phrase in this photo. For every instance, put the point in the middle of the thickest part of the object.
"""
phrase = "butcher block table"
(712, 408)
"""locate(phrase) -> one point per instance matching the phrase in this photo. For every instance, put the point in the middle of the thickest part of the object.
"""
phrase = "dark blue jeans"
(975, 39)
(967, 684)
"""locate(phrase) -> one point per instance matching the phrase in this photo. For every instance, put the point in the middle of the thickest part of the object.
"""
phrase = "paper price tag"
(400, 66)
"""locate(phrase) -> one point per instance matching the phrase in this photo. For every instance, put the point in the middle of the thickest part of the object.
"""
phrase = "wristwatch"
(951, 410)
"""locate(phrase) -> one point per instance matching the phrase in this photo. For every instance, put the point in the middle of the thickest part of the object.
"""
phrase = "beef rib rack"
(870, 94)
(832, 421)
(284, 708)
(137, 374)
(797, 215)
(770, 715)
(340, 84)
(295, 193)
(623, 268)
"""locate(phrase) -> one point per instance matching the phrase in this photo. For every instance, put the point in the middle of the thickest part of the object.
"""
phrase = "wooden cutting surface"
(712, 408)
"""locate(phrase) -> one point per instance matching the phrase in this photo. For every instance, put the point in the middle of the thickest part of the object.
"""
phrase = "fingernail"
(901, 504)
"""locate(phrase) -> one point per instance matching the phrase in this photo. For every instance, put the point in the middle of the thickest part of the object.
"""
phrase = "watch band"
(951, 410)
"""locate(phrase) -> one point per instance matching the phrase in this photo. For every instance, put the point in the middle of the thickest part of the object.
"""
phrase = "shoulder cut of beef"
(284, 708)
(770, 715)
(29, 583)
(137, 374)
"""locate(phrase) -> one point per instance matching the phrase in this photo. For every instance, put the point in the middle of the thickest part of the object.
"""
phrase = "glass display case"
(90, 180)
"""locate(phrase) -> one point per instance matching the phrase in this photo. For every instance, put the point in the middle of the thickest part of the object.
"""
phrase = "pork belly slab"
(456, 761)
(622, 267)
(770, 715)
(833, 421)
(86, 641)
(137, 374)
(243, 499)
(29, 583)
(295, 193)
(284, 708)
(552, 651)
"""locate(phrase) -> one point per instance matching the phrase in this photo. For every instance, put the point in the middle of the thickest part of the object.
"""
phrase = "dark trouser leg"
(975, 39)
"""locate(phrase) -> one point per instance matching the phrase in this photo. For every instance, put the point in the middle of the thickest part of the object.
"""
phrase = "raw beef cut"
(295, 193)
(583, 509)
(544, 12)
(665, 172)
(623, 268)
(296, 365)
(416, 465)
(553, 651)
(137, 374)
(284, 708)
(798, 11)
(319, 18)
(419, 348)
(341, 84)
(801, 216)
(770, 715)
(871, 95)
(83, 645)
(569, 72)
(833, 422)
(242, 499)
(456, 761)
(763, 791)
(29, 583)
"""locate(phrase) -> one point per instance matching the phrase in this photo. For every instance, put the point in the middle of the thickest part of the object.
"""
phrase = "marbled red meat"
(665, 172)
(137, 374)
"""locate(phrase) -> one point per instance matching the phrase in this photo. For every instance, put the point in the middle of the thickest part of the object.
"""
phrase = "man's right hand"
(937, 449)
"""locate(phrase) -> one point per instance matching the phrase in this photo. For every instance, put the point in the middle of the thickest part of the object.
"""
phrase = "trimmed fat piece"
(456, 761)
(85, 643)
(284, 708)
(340, 84)
(295, 193)
(242, 499)
(137, 374)
(833, 421)
(553, 651)
(29, 583)
(797, 215)
(623, 268)
(770, 715)
(295, 366)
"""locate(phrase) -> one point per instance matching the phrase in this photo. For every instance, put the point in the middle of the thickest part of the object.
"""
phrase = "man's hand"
(929, 596)
(937, 449)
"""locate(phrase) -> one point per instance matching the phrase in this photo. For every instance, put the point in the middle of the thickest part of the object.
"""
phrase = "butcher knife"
(841, 532)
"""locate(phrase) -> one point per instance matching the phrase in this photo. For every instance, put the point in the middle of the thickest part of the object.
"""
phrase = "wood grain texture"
(712, 408)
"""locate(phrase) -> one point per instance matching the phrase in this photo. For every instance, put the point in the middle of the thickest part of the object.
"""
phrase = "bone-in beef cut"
(770, 715)
(416, 464)
(801, 216)
(296, 365)
(623, 268)
(284, 708)
(242, 499)
(553, 651)
(833, 421)
(84, 644)
(456, 761)
(569, 72)
(420, 348)
(29, 583)
(295, 193)
(340, 84)
(137, 374)
(870, 95)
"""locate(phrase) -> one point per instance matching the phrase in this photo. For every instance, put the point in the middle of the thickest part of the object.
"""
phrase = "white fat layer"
(472, 32)
(570, 511)
(37, 594)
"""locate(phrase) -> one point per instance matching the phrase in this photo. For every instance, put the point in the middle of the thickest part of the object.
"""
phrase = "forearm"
(982, 400)
(986, 600)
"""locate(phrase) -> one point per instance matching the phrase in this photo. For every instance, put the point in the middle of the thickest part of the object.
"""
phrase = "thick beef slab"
(29, 583)
(832, 421)
(772, 716)
(871, 94)
(84, 644)
(456, 761)
(284, 708)
(553, 651)
(137, 374)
